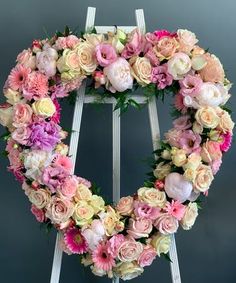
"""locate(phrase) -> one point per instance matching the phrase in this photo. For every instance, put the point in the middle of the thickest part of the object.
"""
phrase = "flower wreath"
(117, 240)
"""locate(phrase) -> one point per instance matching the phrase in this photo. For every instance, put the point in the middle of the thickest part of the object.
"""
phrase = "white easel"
(155, 131)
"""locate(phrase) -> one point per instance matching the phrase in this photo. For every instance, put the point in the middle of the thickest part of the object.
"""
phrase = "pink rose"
(182, 123)
(166, 48)
(69, 187)
(129, 250)
(147, 256)
(125, 205)
(105, 53)
(59, 210)
(211, 151)
(22, 115)
(173, 136)
(21, 135)
(167, 224)
(139, 228)
(151, 38)
(114, 244)
(119, 75)
(143, 211)
(38, 213)
(26, 59)
(134, 45)
(72, 41)
(35, 86)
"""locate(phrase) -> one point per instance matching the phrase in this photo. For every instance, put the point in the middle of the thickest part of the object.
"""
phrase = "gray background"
(207, 252)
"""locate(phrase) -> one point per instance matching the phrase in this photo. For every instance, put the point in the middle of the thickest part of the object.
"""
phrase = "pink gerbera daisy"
(18, 76)
(75, 241)
(176, 209)
(64, 162)
(102, 258)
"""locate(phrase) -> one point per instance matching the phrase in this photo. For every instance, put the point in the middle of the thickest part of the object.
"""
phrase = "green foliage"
(166, 256)
(46, 227)
(5, 136)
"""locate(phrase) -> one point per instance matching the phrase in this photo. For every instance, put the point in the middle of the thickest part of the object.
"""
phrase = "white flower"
(46, 61)
(190, 216)
(179, 65)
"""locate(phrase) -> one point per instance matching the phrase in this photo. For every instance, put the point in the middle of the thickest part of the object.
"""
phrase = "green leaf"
(5, 136)
(166, 256)
(46, 226)
(4, 153)
(226, 109)
(95, 189)
(66, 31)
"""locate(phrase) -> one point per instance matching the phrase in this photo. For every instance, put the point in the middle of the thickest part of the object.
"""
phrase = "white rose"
(161, 243)
(152, 196)
(6, 114)
(128, 270)
(179, 65)
(35, 161)
(203, 179)
(162, 170)
(40, 198)
(198, 62)
(187, 40)
(190, 215)
(12, 96)
(119, 75)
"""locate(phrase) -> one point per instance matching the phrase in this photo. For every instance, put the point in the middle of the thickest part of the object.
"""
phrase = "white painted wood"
(104, 29)
(155, 131)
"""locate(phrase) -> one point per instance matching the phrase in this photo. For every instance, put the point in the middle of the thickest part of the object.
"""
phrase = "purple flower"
(161, 77)
(189, 141)
(53, 177)
(44, 135)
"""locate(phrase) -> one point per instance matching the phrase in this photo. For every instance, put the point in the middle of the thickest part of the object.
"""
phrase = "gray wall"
(206, 253)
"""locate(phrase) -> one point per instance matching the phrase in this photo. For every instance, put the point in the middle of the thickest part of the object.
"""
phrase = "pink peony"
(22, 115)
(144, 211)
(18, 76)
(226, 143)
(94, 234)
(182, 123)
(190, 85)
(75, 241)
(102, 258)
(167, 224)
(38, 213)
(64, 162)
(105, 54)
(147, 256)
(46, 61)
(163, 33)
(189, 141)
(140, 228)
(114, 244)
(175, 208)
(35, 86)
(134, 45)
(161, 77)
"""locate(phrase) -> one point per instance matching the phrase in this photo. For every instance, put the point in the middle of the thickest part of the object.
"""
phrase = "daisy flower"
(75, 241)
(102, 258)
(18, 76)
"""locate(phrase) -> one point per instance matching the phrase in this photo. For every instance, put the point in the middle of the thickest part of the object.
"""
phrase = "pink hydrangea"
(161, 77)
(105, 54)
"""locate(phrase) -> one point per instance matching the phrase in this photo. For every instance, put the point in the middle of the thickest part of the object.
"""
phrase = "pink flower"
(84, 182)
(147, 256)
(57, 115)
(18, 76)
(144, 211)
(163, 33)
(150, 54)
(182, 123)
(173, 137)
(129, 250)
(159, 184)
(13, 154)
(72, 41)
(64, 162)
(134, 45)
(166, 224)
(226, 143)
(161, 77)
(114, 244)
(26, 59)
(211, 151)
(99, 78)
(179, 103)
(94, 234)
(53, 177)
(35, 86)
(21, 135)
(175, 208)
(215, 166)
(105, 53)
(60, 43)
(17, 173)
(69, 186)
(139, 228)
(75, 241)
(46, 61)
(102, 258)
(190, 85)
(38, 213)
(125, 206)
(151, 38)
(22, 115)
(189, 141)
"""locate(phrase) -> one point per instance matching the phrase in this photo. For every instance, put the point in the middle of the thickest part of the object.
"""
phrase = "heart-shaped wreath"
(117, 240)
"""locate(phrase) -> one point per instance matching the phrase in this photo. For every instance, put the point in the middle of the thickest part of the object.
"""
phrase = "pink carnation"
(226, 143)
(105, 53)
(57, 115)
(35, 86)
(161, 77)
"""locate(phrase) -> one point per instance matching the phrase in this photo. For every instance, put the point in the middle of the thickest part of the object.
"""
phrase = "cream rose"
(94, 39)
(162, 170)
(166, 224)
(161, 243)
(39, 198)
(22, 114)
(203, 178)
(165, 48)
(83, 193)
(179, 65)
(179, 157)
(225, 122)
(12, 96)
(139, 228)
(194, 160)
(6, 116)
(152, 196)
(44, 107)
(97, 203)
(207, 117)
(87, 59)
(187, 40)
(190, 215)
(62, 149)
(141, 69)
(125, 206)
(59, 210)
(83, 213)
(128, 270)
(129, 250)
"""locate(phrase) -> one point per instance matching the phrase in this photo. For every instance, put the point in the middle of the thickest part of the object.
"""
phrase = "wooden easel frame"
(155, 131)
